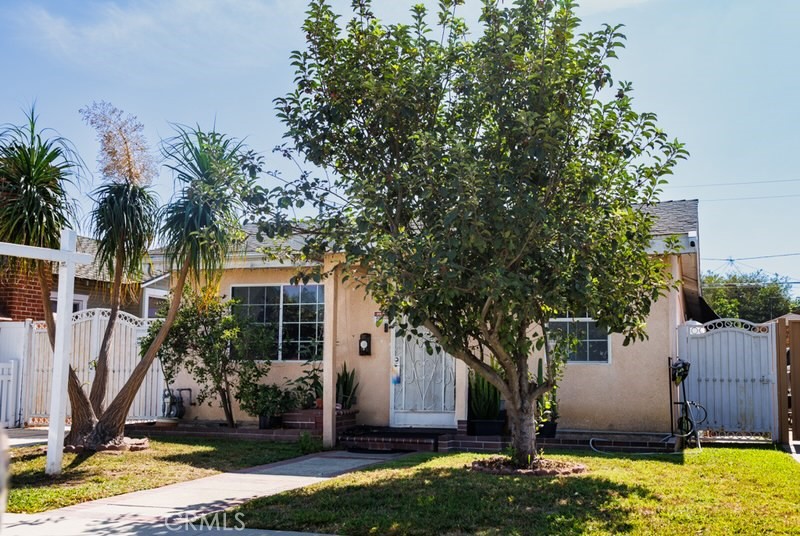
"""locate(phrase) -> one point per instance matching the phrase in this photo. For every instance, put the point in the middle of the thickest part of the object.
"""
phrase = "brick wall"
(20, 297)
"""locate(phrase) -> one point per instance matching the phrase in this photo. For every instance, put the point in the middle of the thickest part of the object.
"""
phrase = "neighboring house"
(606, 386)
(20, 295)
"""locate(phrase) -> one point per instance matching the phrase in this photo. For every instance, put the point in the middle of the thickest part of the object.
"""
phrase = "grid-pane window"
(292, 314)
(593, 341)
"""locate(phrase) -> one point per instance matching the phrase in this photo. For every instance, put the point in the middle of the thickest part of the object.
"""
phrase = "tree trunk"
(110, 428)
(523, 431)
(83, 417)
(97, 394)
(225, 399)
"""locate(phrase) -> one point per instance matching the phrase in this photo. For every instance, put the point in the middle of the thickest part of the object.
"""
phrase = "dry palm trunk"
(110, 428)
(97, 394)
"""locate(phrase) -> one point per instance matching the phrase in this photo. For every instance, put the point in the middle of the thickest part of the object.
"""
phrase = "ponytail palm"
(124, 221)
(36, 166)
(199, 227)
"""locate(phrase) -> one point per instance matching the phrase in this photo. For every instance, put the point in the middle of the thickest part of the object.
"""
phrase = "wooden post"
(61, 357)
(781, 338)
(794, 356)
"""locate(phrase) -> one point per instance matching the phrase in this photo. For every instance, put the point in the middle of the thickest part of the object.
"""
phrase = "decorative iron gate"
(88, 327)
(423, 385)
(733, 375)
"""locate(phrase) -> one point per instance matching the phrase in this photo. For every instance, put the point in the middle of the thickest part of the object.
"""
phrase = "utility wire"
(735, 259)
(754, 285)
(775, 181)
(749, 198)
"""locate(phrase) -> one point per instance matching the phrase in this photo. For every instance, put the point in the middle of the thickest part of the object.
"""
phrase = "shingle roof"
(93, 271)
(89, 271)
(674, 217)
(252, 244)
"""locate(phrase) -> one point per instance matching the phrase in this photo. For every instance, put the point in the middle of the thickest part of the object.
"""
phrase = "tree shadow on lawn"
(429, 500)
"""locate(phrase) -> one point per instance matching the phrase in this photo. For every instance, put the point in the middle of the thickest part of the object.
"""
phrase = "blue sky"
(722, 75)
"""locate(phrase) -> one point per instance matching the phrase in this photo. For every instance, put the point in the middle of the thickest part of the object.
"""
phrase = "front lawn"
(87, 477)
(713, 492)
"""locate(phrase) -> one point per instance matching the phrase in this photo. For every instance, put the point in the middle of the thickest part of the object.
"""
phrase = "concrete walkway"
(168, 510)
(23, 437)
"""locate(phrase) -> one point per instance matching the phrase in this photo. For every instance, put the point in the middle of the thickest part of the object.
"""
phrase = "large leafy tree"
(757, 296)
(199, 227)
(123, 218)
(480, 187)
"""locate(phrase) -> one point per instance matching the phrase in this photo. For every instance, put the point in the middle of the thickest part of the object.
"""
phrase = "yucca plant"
(346, 387)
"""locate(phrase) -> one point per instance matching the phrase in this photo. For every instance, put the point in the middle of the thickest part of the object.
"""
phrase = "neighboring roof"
(674, 217)
(89, 271)
(93, 271)
(252, 245)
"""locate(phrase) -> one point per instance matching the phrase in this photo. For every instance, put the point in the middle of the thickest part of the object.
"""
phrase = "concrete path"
(794, 450)
(23, 437)
(169, 509)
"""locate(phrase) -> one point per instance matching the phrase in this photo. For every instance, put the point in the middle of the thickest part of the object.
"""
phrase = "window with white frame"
(593, 341)
(80, 302)
(294, 314)
(153, 300)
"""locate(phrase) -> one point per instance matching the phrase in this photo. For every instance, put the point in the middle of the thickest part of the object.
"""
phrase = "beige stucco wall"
(630, 393)
(280, 371)
(355, 315)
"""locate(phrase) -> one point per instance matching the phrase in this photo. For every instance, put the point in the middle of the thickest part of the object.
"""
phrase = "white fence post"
(61, 357)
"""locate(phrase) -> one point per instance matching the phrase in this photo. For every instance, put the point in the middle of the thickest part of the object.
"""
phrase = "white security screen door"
(423, 385)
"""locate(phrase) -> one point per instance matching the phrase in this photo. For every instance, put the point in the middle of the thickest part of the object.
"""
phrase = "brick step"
(459, 442)
(389, 443)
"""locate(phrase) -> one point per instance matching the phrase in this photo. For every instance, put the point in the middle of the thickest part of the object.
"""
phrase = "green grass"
(87, 477)
(713, 492)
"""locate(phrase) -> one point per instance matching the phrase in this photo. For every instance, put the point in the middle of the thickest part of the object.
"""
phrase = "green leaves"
(202, 224)
(36, 166)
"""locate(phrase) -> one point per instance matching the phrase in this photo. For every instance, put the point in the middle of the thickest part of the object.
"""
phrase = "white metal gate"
(733, 375)
(88, 327)
(423, 385)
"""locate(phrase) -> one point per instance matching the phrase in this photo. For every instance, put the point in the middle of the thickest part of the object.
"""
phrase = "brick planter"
(311, 419)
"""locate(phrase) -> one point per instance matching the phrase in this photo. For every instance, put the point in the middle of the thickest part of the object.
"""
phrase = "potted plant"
(267, 402)
(308, 387)
(346, 388)
(484, 405)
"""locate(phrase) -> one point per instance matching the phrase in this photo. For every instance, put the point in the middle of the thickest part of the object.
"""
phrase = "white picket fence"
(9, 386)
(12, 350)
(88, 327)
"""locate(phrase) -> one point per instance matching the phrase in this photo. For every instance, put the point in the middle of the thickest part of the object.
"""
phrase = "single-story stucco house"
(605, 387)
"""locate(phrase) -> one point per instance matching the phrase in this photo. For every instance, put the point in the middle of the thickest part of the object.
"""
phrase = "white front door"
(423, 385)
